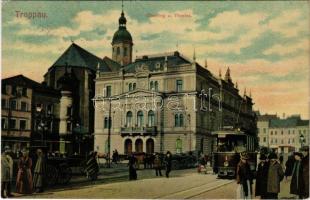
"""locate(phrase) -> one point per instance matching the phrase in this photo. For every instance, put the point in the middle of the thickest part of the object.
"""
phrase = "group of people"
(158, 164)
(28, 179)
(270, 173)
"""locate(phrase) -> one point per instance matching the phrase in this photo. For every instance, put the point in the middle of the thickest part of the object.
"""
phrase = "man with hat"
(305, 167)
(297, 183)
(6, 172)
(244, 177)
(261, 177)
(275, 176)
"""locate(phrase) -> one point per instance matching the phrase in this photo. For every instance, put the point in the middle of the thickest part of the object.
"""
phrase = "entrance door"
(150, 146)
(128, 146)
(139, 145)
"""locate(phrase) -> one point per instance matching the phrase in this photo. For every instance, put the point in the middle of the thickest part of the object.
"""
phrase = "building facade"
(28, 114)
(164, 102)
(283, 135)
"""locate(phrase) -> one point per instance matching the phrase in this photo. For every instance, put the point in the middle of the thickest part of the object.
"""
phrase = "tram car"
(230, 143)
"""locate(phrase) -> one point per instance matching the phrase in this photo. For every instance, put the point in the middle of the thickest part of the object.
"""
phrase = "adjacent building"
(163, 102)
(28, 114)
(283, 135)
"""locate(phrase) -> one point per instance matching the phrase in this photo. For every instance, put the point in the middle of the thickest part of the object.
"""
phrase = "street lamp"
(41, 126)
(302, 140)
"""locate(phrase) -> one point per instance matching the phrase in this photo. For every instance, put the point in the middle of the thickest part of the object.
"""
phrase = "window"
(134, 86)
(3, 123)
(264, 139)
(289, 141)
(3, 89)
(69, 111)
(12, 124)
(151, 85)
(151, 118)
(23, 106)
(282, 141)
(106, 122)
(304, 131)
(276, 141)
(179, 84)
(22, 124)
(24, 92)
(13, 105)
(289, 132)
(275, 132)
(264, 130)
(68, 127)
(129, 119)
(108, 91)
(118, 51)
(140, 118)
(178, 145)
(14, 90)
(130, 87)
(156, 86)
(293, 140)
(125, 51)
(281, 132)
(3, 103)
(271, 141)
(178, 120)
(271, 133)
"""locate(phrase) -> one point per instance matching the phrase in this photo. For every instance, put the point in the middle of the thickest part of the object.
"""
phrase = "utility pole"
(109, 134)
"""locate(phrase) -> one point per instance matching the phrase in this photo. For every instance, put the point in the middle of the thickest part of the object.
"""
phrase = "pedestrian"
(305, 172)
(39, 172)
(297, 186)
(244, 177)
(116, 156)
(132, 167)
(275, 176)
(157, 165)
(261, 177)
(168, 163)
(92, 167)
(6, 172)
(24, 176)
(289, 164)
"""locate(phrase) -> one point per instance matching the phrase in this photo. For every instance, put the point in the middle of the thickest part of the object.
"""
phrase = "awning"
(223, 134)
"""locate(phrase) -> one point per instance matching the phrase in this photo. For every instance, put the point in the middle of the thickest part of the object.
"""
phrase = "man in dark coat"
(92, 167)
(305, 172)
(132, 167)
(244, 177)
(297, 183)
(275, 176)
(261, 177)
(168, 163)
(289, 165)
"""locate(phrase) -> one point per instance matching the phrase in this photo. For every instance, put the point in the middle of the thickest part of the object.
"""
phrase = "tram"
(230, 143)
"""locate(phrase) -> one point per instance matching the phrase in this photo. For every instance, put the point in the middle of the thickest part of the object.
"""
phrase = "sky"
(265, 44)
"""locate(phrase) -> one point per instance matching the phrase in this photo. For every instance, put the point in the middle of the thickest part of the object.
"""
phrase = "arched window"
(178, 145)
(128, 146)
(140, 118)
(151, 85)
(130, 87)
(129, 119)
(106, 122)
(181, 120)
(139, 145)
(151, 118)
(125, 51)
(134, 86)
(150, 146)
(118, 51)
(176, 120)
(156, 86)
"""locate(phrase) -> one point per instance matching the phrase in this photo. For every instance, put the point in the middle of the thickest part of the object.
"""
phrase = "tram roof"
(228, 132)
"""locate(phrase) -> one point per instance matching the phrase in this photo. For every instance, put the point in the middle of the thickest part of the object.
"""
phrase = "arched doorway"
(128, 146)
(150, 146)
(139, 145)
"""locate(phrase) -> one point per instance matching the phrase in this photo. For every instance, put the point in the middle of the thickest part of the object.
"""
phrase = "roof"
(122, 35)
(288, 122)
(267, 117)
(156, 62)
(109, 64)
(22, 81)
(76, 56)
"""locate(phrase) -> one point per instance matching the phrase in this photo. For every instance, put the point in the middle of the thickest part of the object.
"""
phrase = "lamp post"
(41, 125)
(109, 133)
(302, 140)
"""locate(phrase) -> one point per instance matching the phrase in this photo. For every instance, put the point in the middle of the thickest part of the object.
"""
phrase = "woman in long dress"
(24, 176)
(39, 172)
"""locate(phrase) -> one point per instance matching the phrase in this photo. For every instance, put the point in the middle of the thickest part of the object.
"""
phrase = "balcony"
(150, 130)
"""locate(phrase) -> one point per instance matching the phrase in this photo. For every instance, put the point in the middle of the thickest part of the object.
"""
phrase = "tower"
(122, 43)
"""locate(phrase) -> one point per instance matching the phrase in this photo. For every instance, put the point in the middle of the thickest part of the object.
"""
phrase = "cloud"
(282, 49)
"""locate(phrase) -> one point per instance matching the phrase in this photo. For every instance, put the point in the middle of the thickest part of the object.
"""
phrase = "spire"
(220, 73)
(122, 20)
(227, 75)
(206, 63)
(194, 55)
(237, 84)
(244, 93)
(250, 95)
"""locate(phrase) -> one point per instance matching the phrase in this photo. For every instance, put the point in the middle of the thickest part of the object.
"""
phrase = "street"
(183, 184)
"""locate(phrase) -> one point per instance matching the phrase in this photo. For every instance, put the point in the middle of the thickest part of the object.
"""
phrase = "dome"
(122, 19)
(122, 35)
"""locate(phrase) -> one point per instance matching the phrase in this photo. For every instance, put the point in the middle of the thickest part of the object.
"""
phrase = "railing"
(151, 130)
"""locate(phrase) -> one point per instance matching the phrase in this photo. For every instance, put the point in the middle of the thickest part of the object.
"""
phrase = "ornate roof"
(122, 35)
